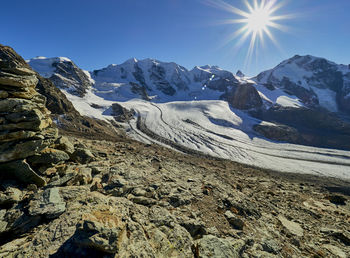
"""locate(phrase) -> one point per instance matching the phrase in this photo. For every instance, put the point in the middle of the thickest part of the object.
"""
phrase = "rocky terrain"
(83, 193)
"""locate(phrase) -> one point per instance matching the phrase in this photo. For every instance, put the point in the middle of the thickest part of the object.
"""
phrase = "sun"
(258, 21)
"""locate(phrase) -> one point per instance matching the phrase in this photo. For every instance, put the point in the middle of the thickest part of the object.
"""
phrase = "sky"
(95, 33)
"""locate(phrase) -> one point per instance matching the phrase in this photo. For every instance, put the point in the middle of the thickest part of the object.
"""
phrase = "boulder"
(82, 156)
(212, 246)
(48, 203)
(48, 156)
(21, 170)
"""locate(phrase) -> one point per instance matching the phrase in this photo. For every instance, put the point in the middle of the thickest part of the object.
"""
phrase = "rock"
(271, 246)
(143, 200)
(336, 251)
(20, 81)
(278, 132)
(22, 171)
(3, 94)
(337, 199)
(292, 227)
(120, 113)
(240, 74)
(246, 97)
(211, 246)
(84, 176)
(82, 156)
(18, 135)
(25, 124)
(62, 143)
(100, 230)
(48, 156)
(194, 227)
(63, 180)
(10, 195)
(234, 221)
(48, 203)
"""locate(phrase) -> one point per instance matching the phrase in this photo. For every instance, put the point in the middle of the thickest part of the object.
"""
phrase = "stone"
(48, 203)
(292, 227)
(10, 195)
(10, 151)
(336, 251)
(21, 170)
(48, 156)
(234, 221)
(82, 156)
(271, 246)
(20, 81)
(62, 143)
(194, 227)
(18, 135)
(3, 94)
(212, 246)
(100, 230)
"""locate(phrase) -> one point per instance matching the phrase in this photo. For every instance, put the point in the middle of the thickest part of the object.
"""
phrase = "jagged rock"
(22, 171)
(271, 246)
(212, 246)
(62, 143)
(3, 94)
(292, 227)
(10, 195)
(82, 156)
(101, 231)
(20, 81)
(10, 151)
(48, 156)
(246, 97)
(120, 113)
(240, 74)
(234, 221)
(48, 203)
(194, 227)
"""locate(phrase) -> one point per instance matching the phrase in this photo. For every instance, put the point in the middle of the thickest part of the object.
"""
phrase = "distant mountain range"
(299, 81)
(264, 121)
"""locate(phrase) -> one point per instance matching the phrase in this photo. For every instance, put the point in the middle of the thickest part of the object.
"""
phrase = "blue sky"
(97, 33)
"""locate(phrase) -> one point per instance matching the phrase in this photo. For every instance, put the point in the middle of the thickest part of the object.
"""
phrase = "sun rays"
(257, 20)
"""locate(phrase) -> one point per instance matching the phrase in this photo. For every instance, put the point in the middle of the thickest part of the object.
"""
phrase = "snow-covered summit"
(315, 81)
(63, 72)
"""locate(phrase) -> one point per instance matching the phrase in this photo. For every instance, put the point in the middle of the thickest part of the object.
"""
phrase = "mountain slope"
(197, 111)
(315, 81)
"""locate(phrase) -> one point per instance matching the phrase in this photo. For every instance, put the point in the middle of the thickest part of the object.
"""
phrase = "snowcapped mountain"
(314, 81)
(210, 110)
(63, 73)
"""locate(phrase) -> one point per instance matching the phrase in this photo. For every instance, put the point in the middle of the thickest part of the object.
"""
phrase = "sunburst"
(257, 21)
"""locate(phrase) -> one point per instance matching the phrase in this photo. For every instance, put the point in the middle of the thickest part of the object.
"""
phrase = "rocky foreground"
(127, 199)
(63, 195)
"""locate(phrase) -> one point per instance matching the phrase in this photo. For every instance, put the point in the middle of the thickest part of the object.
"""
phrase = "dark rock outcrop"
(315, 127)
(246, 97)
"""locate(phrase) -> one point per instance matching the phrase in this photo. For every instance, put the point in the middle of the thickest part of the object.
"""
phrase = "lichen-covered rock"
(48, 203)
(211, 246)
